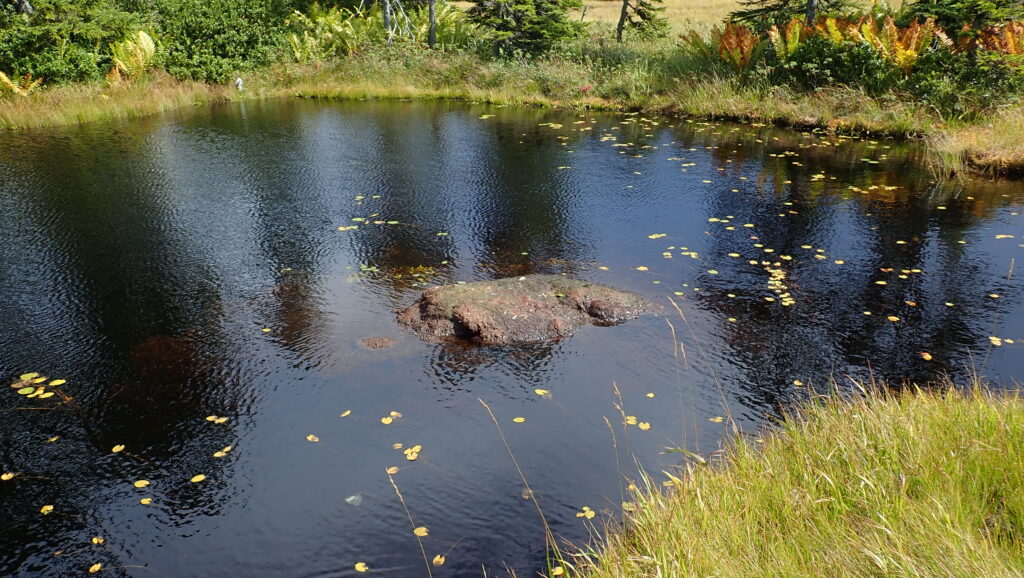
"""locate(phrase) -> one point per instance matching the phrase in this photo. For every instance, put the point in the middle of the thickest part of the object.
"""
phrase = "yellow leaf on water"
(219, 454)
(28, 376)
(642, 268)
(46, 395)
(312, 438)
(713, 271)
(95, 568)
(7, 476)
(631, 420)
(117, 448)
(393, 470)
(421, 531)
(146, 501)
(995, 341)
(412, 456)
(717, 419)
(53, 439)
(797, 382)
(519, 419)
(57, 382)
(651, 395)
(197, 478)
(557, 571)
(386, 420)
(39, 380)
(211, 418)
(893, 318)
(26, 390)
(438, 560)
(46, 509)
(926, 356)
(220, 420)
(98, 540)
(361, 567)
(346, 413)
(141, 483)
(542, 392)
(603, 268)
(644, 425)
(395, 415)
(656, 236)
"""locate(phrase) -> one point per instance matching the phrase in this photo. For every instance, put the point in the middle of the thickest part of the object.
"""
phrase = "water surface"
(191, 266)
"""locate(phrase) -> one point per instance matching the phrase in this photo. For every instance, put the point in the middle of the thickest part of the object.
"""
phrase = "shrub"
(954, 15)
(530, 26)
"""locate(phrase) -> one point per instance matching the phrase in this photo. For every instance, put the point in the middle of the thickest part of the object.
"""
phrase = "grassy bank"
(646, 76)
(925, 484)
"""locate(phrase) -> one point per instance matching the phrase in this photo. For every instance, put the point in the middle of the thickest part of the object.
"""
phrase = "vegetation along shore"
(948, 72)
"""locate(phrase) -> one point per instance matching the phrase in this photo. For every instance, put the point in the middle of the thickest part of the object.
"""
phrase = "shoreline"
(989, 148)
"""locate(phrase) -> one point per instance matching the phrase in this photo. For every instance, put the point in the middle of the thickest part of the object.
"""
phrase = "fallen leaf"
(57, 382)
(95, 568)
(6, 476)
(392, 470)
(46, 509)
(361, 567)
(197, 478)
(519, 419)
(644, 425)
(438, 560)
(346, 413)
(926, 356)
(421, 531)
(28, 376)
(146, 501)
(312, 438)
(141, 483)
(717, 419)
(542, 392)
(98, 540)
(386, 420)
(117, 448)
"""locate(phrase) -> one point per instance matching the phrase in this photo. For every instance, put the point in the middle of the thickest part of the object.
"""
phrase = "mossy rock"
(519, 309)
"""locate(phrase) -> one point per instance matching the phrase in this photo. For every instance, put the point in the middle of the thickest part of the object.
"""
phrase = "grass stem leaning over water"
(923, 483)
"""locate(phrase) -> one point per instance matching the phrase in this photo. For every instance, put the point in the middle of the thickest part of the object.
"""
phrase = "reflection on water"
(191, 267)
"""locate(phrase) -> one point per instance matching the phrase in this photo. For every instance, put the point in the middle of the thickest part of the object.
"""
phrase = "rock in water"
(519, 309)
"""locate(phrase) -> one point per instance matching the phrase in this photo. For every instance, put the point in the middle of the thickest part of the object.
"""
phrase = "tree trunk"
(622, 20)
(387, 19)
(432, 35)
(812, 11)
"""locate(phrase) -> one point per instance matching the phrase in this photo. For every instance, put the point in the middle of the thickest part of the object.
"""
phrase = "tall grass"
(918, 484)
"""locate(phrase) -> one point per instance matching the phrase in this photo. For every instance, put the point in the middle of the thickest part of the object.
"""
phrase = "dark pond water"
(178, 268)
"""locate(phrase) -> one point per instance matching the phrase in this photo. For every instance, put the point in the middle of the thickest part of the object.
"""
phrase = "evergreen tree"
(532, 26)
(644, 16)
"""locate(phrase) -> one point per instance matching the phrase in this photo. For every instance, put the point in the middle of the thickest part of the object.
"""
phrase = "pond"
(206, 279)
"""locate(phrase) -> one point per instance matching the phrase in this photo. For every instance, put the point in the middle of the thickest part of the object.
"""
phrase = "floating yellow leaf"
(46, 395)
(392, 470)
(713, 271)
(797, 382)
(95, 568)
(995, 341)
(586, 513)
(28, 376)
(395, 414)
(641, 268)
(361, 567)
(117, 448)
(603, 268)
(557, 571)
(26, 390)
(146, 501)
(438, 560)
(197, 478)
(630, 420)
(656, 236)
(717, 419)
(644, 425)
(219, 454)
(141, 483)
(893, 318)
(386, 420)
(312, 438)
(46, 509)
(926, 356)
(421, 531)
(651, 394)
(542, 392)
(98, 540)
(220, 420)
(53, 439)
(7, 476)
(57, 382)
(346, 413)
(211, 418)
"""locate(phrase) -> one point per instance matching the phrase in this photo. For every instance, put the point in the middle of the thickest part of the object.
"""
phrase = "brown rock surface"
(519, 309)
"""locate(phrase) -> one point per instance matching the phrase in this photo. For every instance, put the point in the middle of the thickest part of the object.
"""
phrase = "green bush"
(526, 26)
(63, 41)
(965, 85)
(214, 39)
(952, 15)
(818, 62)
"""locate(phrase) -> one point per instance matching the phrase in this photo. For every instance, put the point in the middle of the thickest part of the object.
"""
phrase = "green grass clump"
(920, 484)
